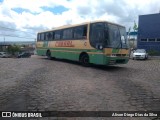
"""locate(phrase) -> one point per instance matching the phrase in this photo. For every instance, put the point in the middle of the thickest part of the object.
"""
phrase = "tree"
(13, 49)
(135, 27)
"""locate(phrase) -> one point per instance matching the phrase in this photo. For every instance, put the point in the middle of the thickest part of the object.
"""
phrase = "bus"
(97, 42)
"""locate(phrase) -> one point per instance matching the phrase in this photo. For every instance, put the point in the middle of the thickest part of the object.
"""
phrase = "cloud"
(33, 6)
(40, 15)
(9, 24)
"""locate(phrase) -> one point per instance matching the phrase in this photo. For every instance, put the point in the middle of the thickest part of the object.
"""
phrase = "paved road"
(40, 84)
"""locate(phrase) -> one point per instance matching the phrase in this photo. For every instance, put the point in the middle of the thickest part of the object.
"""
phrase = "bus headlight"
(100, 47)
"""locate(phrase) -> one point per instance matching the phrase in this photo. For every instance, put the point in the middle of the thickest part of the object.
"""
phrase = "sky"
(28, 17)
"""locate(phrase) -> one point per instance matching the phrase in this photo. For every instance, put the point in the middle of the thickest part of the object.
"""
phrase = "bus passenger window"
(38, 37)
(49, 36)
(80, 32)
(85, 31)
(58, 35)
(53, 35)
(67, 34)
(42, 36)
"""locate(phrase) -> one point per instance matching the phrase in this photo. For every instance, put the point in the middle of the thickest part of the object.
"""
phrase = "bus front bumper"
(116, 60)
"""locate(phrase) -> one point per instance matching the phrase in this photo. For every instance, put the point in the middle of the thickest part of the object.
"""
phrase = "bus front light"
(100, 47)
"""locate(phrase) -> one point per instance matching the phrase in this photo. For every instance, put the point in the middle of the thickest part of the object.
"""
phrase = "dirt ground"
(36, 83)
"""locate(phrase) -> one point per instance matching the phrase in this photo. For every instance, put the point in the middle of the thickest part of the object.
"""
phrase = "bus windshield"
(117, 37)
(124, 41)
(114, 40)
(108, 35)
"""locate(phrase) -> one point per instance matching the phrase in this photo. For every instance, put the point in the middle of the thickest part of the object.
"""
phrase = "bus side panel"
(39, 48)
(73, 56)
(97, 59)
(41, 52)
(65, 55)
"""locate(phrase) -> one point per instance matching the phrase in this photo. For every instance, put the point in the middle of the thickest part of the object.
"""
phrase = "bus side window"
(68, 34)
(49, 36)
(80, 32)
(77, 33)
(53, 35)
(42, 36)
(58, 35)
(85, 31)
(39, 37)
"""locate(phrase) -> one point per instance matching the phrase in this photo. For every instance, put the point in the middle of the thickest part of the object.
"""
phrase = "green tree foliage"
(13, 49)
(135, 27)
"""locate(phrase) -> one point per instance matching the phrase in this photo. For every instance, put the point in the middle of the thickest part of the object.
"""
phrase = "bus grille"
(120, 61)
(112, 62)
(119, 55)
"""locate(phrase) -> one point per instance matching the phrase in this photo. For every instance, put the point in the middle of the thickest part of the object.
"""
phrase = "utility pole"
(4, 39)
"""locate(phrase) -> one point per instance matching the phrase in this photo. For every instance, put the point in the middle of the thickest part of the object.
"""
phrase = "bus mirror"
(123, 39)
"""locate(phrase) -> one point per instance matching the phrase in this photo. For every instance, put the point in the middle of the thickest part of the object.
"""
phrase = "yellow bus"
(98, 42)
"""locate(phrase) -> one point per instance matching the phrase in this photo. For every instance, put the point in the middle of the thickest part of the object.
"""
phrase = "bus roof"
(84, 23)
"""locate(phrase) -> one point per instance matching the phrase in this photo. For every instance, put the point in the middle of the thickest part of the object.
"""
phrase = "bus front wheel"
(84, 60)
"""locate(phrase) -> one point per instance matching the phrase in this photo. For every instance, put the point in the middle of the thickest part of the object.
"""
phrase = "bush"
(13, 49)
(154, 53)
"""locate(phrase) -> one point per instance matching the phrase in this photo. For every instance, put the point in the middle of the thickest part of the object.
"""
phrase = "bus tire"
(48, 54)
(84, 60)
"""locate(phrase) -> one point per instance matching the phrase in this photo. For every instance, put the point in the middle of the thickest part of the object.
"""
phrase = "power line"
(15, 30)
(16, 36)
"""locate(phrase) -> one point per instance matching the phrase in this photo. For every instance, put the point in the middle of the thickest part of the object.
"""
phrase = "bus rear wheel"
(84, 60)
(48, 54)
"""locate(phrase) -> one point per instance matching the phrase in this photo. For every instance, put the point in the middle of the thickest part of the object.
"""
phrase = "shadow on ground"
(94, 66)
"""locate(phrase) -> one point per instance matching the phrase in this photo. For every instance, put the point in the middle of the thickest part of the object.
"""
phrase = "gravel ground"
(39, 84)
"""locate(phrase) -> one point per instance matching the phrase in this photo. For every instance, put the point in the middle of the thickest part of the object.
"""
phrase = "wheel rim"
(85, 60)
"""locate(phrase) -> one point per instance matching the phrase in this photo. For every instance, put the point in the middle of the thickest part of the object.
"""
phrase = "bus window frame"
(48, 38)
(60, 38)
(38, 37)
(83, 37)
(93, 42)
(67, 33)
(44, 37)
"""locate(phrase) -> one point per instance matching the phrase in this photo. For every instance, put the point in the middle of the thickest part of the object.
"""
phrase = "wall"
(149, 29)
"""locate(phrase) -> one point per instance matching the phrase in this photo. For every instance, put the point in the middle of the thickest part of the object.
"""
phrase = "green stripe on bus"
(100, 59)
(72, 49)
